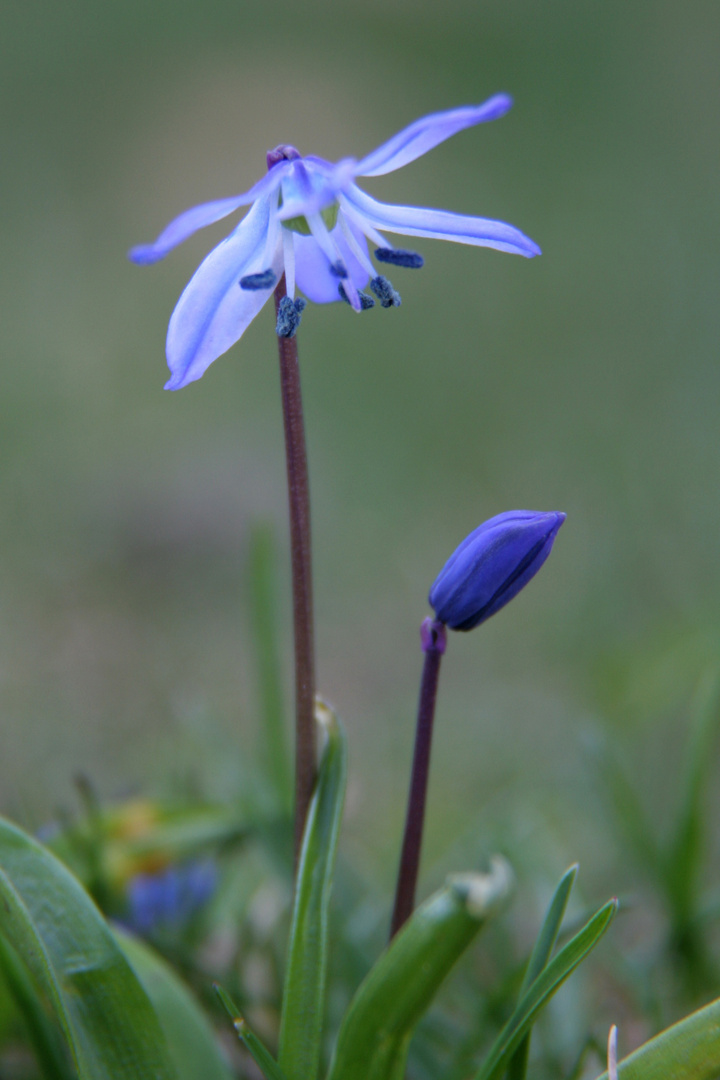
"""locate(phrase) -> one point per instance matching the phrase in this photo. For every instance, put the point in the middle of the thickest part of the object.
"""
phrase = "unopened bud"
(492, 565)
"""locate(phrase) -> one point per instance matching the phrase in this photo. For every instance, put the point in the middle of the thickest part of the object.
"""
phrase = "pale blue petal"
(414, 141)
(441, 225)
(214, 311)
(312, 267)
(197, 217)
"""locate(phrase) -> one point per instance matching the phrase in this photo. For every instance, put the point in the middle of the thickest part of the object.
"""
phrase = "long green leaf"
(375, 1034)
(689, 1050)
(62, 938)
(190, 1038)
(262, 1057)
(543, 988)
(47, 1042)
(539, 958)
(304, 993)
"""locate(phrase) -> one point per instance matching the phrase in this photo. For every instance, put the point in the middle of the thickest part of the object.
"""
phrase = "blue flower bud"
(492, 565)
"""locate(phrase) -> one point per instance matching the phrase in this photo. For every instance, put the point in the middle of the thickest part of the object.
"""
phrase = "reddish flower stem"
(299, 506)
(433, 642)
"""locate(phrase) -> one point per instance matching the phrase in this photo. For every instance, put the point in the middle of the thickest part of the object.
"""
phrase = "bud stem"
(433, 643)
(299, 506)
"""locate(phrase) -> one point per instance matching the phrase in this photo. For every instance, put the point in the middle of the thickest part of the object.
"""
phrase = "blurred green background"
(586, 381)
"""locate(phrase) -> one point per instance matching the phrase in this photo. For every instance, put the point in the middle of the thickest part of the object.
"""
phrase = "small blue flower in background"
(492, 565)
(310, 221)
(169, 898)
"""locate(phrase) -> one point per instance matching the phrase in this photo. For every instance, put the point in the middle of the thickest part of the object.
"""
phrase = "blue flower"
(310, 221)
(169, 899)
(492, 565)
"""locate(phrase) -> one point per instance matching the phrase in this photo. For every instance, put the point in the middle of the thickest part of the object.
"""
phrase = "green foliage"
(262, 1057)
(261, 580)
(191, 1041)
(539, 958)
(542, 989)
(45, 1037)
(689, 1050)
(303, 1007)
(93, 995)
(375, 1034)
(673, 861)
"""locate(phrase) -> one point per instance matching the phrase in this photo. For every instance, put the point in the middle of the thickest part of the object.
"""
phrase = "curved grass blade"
(191, 1040)
(689, 1050)
(542, 989)
(58, 933)
(539, 957)
(262, 1057)
(376, 1032)
(304, 993)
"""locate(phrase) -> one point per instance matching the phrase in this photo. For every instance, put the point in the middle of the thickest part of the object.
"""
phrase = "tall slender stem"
(433, 639)
(299, 504)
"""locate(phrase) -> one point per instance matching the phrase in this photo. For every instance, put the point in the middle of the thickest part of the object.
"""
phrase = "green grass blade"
(624, 802)
(689, 1050)
(262, 1057)
(375, 1034)
(50, 1050)
(542, 989)
(685, 849)
(261, 573)
(191, 1040)
(539, 957)
(61, 937)
(304, 993)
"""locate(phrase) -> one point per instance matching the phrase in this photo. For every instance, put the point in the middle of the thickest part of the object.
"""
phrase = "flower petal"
(312, 266)
(414, 141)
(197, 217)
(213, 311)
(440, 224)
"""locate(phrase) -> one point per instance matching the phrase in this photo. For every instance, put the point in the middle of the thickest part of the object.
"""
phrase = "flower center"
(300, 224)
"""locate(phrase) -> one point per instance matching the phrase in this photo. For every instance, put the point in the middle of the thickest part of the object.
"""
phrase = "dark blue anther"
(385, 293)
(264, 280)
(411, 260)
(339, 269)
(365, 300)
(288, 318)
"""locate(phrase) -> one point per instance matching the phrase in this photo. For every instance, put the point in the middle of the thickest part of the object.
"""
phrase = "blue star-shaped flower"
(310, 221)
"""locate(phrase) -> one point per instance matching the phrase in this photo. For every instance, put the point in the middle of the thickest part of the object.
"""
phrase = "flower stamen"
(265, 279)
(385, 293)
(365, 301)
(288, 242)
(289, 316)
(410, 260)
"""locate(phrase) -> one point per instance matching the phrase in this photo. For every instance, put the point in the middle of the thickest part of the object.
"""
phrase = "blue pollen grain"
(339, 269)
(385, 293)
(265, 279)
(366, 301)
(411, 260)
(289, 315)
